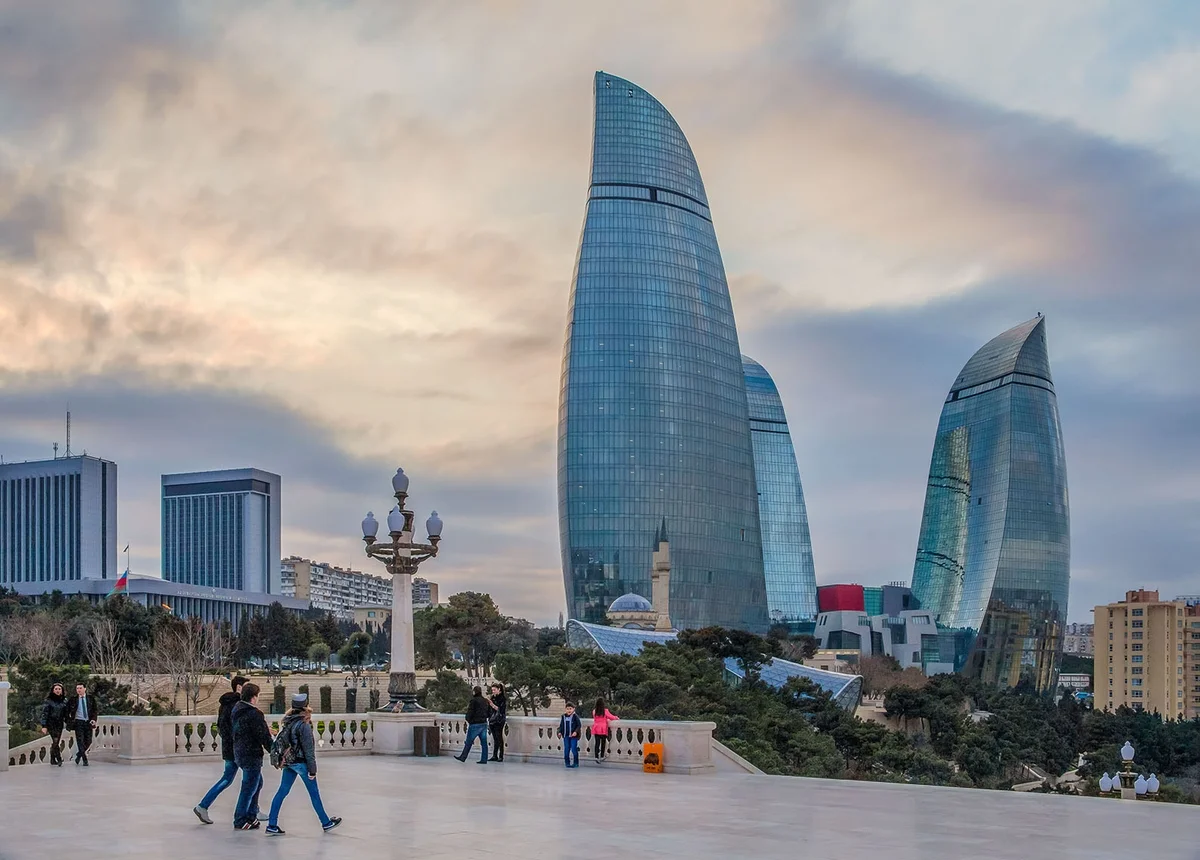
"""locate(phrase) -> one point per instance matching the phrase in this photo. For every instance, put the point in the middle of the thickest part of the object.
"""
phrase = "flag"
(165, 606)
(126, 548)
(121, 586)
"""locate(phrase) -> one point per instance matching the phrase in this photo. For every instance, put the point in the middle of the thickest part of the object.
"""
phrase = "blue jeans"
(571, 750)
(247, 805)
(290, 774)
(477, 731)
(223, 783)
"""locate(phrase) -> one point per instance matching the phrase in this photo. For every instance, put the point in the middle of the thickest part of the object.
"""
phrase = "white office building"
(222, 529)
(58, 523)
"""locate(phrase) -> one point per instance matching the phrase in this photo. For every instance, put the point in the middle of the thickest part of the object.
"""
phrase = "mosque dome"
(631, 603)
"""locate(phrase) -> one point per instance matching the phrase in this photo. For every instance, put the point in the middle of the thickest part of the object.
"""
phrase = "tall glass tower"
(787, 547)
(994, 553)
(653, 419)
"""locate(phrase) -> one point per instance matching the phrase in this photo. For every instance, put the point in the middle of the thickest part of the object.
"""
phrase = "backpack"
(282, 753)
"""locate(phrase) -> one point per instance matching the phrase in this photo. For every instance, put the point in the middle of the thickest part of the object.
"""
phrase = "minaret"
(660, 580)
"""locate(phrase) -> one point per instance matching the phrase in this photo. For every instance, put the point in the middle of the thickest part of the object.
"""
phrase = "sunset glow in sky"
(329, 238)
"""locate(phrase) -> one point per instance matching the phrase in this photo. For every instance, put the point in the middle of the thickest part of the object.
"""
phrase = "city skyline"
(335, 241)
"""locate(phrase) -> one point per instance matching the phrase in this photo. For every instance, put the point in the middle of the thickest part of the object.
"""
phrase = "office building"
(222, 529)
(653, 414)
(788, 570)
(994, 552)
(1078, 640)
(206, 603)
(1140, 655)
(335, 589)
(58, 523)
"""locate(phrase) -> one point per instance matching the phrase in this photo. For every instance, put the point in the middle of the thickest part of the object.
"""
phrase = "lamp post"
(1132, 786)
(401, 556)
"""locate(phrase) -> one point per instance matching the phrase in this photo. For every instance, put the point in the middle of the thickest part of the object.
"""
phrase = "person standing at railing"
(497, 719)
(53, 719)
(570, 727)
(601, 717)
(83, 710)
(225, 731)
(478, 711)
(298, 760)
(251, 738)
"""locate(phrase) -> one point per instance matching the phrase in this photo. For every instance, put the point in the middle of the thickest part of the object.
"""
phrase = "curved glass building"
(994, 553)
(653, 418)
(791, 579)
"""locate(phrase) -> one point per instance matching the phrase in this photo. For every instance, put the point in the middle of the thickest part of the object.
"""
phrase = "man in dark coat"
(251, 738)
(477, 715)
(497, 720)
(82, 709)
(225, 731)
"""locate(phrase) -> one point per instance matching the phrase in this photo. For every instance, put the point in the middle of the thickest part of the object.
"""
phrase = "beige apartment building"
(1140, 655)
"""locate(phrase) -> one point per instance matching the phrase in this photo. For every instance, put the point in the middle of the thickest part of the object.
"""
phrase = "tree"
(325, 625)
(751, 652)
(355, 652)
(525, 680)
(429, 637)
(318, 652)
(549, 637)
(42, 637)
(106, 653)
(188, 650)
(447, 693)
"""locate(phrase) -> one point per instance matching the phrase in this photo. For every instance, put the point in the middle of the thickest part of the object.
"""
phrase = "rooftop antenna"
(68, 454)
(55, 450)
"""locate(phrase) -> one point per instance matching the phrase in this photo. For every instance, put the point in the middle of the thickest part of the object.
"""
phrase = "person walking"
(601, 717)
(53, 719)
(225, 731)
(251, 738)
(299, 761)
(496, 721)
(570, 727)
(477, 715)
(83, 711)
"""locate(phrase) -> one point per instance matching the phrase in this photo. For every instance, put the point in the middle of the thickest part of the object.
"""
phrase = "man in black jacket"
(497, 720)
(251, 738)
(83, 710)
(477, 725)
(225, 730)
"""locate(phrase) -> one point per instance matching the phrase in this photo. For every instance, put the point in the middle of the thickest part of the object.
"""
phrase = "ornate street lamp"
(1132, 786)
(401, 556)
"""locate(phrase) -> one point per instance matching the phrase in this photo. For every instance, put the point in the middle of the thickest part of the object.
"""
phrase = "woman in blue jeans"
(299, 762)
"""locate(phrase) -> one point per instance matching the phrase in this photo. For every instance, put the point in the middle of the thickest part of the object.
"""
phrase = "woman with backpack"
(52, 720)
(295, 753)
(601, 717)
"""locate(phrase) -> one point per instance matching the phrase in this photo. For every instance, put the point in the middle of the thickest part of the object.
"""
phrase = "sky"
(329, 238)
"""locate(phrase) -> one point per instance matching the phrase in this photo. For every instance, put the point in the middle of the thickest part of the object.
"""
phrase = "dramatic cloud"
(328, 238)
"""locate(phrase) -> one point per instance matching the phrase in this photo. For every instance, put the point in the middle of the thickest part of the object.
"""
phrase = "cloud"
(334, 237)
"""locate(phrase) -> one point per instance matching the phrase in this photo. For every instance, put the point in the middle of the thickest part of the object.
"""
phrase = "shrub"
(326, 699)
(351, 700)
(278, 703)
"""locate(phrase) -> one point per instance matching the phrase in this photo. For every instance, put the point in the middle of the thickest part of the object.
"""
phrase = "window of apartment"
(1137, 648)
(864, 621)
(1137, 635)
(1137, 658)
(1110, 636)
(1136, 682)
(1137, 694)
(1137, 624)
(1136, 671)
(1137, 613)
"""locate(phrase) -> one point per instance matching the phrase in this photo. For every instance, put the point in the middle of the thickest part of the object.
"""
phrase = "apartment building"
(1140, 655)
(1079, 640)
(332, 588)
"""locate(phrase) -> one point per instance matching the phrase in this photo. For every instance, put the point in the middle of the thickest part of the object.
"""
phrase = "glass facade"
(653, 418)
(790, 577)
(994, 553)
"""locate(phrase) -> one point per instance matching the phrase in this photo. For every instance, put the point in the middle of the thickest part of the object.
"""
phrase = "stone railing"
(155, 740)
(687, 747)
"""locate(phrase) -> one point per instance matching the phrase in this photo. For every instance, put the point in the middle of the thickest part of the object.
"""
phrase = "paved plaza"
(438, 808)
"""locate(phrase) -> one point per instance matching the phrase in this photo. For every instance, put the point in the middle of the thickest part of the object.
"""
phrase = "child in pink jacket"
(601, 717)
